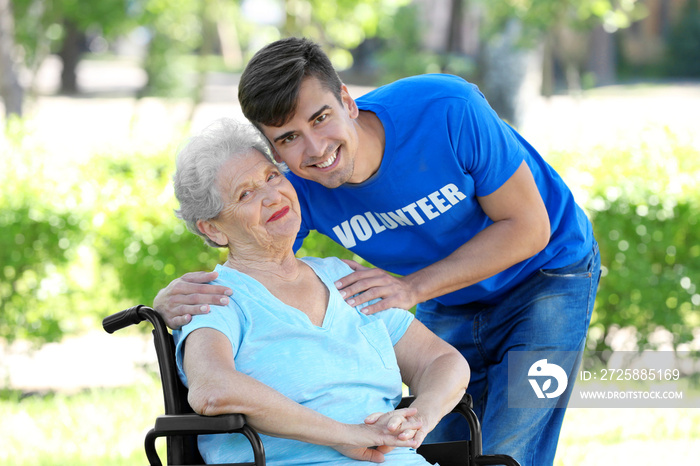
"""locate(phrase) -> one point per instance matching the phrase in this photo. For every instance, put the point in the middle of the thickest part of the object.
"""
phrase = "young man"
(421, 178)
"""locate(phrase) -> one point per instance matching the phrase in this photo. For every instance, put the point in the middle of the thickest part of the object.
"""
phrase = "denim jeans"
(550, 311)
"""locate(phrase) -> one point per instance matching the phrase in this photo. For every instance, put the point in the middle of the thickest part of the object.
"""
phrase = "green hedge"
(39, 239)
(81, 240)
(644, 202)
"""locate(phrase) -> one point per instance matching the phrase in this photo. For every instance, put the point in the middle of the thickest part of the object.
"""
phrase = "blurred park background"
(97, 95)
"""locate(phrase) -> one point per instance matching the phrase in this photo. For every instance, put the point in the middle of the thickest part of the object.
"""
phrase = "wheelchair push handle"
(123, 319)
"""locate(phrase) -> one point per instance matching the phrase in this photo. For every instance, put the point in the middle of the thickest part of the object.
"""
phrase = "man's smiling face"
(320, 141)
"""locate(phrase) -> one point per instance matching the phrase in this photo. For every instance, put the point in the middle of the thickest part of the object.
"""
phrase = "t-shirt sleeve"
(301, 236)
(486, 146)
(305, 226)
(226, 319)
(396, 321)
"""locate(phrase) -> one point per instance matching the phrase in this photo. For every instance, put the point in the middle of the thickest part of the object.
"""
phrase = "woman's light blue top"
(345, 369)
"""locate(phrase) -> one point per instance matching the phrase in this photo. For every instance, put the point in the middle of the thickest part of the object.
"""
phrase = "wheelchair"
(181, 426)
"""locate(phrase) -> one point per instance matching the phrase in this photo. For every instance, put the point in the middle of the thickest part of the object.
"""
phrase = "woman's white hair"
(199, 163)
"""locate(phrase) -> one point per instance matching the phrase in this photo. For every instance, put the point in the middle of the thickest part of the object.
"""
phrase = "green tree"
(339, 25)
(514, 30)
(684, 42)
(44, 26)
(403, 54)
(544, 16)
(175, 28)
(10, 90)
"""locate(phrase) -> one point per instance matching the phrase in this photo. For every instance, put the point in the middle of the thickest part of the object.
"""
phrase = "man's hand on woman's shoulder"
(189, 295)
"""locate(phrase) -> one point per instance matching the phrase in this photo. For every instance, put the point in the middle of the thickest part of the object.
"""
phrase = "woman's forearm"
(266, 409)
(435, 371)
(440, 387)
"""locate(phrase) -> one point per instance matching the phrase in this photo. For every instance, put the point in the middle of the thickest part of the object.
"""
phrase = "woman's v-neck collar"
(333, 296)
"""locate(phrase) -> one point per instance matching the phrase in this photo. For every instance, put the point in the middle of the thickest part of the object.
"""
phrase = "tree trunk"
(70, 56)
(548, 84)
(205, 49)
(10, 89)
(454, 32)
(230, 46)
(503, 72)
(602, 59)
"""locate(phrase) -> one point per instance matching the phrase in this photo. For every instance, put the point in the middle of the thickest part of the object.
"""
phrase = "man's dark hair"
(270, 83)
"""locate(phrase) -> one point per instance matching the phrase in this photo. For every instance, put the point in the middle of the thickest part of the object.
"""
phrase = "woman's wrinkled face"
(261, 208)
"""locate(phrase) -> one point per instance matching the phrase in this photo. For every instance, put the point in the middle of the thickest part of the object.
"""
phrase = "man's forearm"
(520, 229)
(494, 249)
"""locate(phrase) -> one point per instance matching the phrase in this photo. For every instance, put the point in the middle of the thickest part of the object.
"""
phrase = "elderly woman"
(317, 377)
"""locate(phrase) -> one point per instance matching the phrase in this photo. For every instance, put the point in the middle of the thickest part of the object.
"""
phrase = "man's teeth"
(328, 162)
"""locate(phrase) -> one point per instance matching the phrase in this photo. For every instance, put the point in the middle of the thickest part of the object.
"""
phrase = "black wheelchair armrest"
(195, 424)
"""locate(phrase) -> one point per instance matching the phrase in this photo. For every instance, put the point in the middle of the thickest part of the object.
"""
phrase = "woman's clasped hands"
(381, 433)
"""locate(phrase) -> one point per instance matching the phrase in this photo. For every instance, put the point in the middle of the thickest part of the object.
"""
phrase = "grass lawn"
(96, 427)
(626, 436)
(107, 427)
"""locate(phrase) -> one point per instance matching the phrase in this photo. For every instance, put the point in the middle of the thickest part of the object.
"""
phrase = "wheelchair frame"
(180, 425)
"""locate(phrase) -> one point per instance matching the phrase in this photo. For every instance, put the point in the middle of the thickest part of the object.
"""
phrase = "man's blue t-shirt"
(444, 146)
(345, 369)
